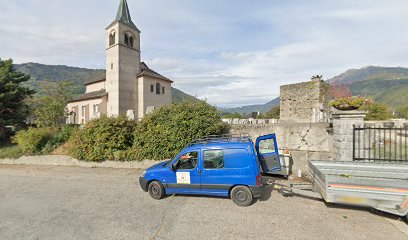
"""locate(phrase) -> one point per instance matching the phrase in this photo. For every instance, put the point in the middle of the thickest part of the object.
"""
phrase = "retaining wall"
(306, 141)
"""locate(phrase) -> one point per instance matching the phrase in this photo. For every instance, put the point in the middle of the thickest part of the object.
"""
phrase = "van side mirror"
(172, 167)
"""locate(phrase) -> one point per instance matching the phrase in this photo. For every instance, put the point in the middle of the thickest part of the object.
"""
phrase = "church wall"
(112, 73)
(84, 117)
(95, 87)
(151, 98)
(129, 67)
(140, 99)
(122, 64)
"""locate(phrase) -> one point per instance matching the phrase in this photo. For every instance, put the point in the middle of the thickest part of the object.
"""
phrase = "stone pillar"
(343, 122)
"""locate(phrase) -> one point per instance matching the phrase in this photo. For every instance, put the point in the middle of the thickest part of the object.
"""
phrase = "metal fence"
(380, 144)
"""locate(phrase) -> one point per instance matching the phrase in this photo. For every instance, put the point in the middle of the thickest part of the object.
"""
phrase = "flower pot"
(345, 107)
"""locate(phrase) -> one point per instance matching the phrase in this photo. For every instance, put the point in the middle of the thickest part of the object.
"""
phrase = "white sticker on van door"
(183, 177)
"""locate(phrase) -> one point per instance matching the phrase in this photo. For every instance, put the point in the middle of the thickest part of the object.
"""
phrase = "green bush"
(105, 138)
(63, 134)
(402, 112)
(377, 112)
(11, 151)
(168, 130)
(33, 140)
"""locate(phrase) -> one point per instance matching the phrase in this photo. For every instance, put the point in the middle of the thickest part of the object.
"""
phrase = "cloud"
(229, 52)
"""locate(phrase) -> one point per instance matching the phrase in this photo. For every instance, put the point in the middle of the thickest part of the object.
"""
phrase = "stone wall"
(306, 141)
(304, 102)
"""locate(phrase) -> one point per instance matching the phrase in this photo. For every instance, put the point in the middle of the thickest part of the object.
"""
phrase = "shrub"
(63, 134)
(106, 138)
(402, 111)
(377, 111)
(33, 140)
(12, 151)
(274, 113)
(352, 102)
(168, 130)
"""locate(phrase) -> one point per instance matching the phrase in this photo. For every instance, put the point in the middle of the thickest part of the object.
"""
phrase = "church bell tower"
(122, 62)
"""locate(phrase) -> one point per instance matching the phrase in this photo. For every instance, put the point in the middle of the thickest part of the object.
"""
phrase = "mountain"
(253, 108)
(55, 73)
(370, 73)
(387, 85)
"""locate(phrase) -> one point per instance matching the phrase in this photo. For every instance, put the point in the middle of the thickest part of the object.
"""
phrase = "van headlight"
(143, 174)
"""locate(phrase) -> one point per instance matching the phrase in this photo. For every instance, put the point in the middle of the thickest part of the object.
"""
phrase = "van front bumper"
(143, 183)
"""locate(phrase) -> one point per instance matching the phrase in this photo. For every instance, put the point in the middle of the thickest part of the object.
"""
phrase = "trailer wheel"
(242, 196)
(156, 190)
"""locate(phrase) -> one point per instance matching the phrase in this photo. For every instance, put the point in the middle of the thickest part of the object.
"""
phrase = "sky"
(229, 52)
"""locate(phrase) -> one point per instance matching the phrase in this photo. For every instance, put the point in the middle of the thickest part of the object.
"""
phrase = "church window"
(111, 65)
(111, 38)
(95, 109)
(158, 88)
(126, 39)
(152, 88)
(131, 42)
(163, 92)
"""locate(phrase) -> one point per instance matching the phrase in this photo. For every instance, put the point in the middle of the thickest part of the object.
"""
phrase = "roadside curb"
(67, 161)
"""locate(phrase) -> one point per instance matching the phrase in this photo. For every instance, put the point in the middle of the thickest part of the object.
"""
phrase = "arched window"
(131, 40)
(158, 88)
(126, 39)
(111, 38)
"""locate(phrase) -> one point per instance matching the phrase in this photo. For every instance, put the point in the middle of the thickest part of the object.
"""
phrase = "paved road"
(38, 202)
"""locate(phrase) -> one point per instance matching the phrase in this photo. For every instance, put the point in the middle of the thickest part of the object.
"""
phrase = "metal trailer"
(382, 186)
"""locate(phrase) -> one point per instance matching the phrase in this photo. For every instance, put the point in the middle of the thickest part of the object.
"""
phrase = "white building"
(130, 86)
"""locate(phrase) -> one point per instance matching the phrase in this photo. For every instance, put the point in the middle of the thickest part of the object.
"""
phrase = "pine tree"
(13, 108)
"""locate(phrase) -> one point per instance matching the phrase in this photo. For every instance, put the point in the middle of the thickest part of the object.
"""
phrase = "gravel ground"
(39, 202)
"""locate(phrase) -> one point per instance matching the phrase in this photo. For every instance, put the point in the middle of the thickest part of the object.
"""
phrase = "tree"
(274, 113)
(377, 111)
(13, 106)
(260, 116)
(339, 91)
(166, 131)
(49, 108)
(402, 112)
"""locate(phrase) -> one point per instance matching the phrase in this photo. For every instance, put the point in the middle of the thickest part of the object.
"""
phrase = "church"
(129, 87)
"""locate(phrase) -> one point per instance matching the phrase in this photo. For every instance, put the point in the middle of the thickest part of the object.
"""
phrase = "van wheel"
(242, 196)
(156, 190)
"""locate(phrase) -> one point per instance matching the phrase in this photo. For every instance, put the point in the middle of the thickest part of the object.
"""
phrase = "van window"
(267, 146)
(213, 159)
(187, 161)
(237, 158)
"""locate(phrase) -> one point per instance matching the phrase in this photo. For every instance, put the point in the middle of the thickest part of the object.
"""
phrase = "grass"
(10, 151)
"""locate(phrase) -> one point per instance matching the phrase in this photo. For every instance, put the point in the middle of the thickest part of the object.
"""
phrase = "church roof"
(90, 95)
(146, 71)
(123, 16)
(88, 82)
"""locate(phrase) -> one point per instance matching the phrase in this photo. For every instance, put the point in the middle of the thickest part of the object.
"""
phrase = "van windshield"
(166, 163)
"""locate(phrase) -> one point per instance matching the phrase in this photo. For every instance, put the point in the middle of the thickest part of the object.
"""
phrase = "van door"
(184, 176)
(268, 154)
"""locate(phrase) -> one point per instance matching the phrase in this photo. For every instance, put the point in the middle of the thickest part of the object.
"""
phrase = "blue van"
(229, 166)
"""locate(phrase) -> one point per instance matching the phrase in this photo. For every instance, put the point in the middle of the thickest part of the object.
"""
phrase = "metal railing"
(380, 144)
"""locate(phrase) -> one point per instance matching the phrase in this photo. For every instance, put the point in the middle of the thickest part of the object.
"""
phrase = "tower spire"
(123, 15)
